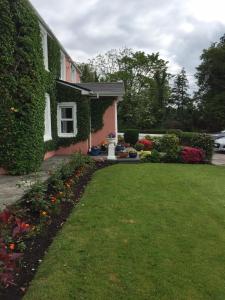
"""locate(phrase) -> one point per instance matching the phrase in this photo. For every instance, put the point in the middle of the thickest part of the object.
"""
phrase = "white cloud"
(178, 29)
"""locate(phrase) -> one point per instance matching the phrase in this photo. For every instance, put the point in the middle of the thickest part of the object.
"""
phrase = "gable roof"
(104, 88)
(113, 89)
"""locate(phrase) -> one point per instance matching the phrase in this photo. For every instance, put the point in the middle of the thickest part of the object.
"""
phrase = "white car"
(219, 144)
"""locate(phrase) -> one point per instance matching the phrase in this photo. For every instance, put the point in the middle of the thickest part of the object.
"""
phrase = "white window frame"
(48, 123)
(63, 66)
(44, 39)
(73, 73)
(61, 105)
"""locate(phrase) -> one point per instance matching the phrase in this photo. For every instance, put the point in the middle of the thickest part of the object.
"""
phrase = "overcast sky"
(178, 29)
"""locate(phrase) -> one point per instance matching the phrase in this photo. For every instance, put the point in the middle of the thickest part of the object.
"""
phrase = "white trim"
(116, 121)
(44, 40)
(73, 105)
(73, 73)
(48, 123)
(62, 66)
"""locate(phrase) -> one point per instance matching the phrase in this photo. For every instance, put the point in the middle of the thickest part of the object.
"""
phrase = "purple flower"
(111, 135)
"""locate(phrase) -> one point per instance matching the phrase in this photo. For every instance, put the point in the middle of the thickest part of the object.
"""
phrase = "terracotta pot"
(123, 154)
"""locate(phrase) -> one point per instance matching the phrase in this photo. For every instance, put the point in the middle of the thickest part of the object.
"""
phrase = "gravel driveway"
(218, 159)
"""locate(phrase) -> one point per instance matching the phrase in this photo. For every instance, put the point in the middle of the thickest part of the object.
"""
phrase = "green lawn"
(147, 231)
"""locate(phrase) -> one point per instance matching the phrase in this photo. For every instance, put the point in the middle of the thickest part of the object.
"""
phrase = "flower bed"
(28, 227)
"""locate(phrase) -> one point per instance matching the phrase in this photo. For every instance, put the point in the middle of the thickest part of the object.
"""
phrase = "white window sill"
(47, 138)
(67, 135)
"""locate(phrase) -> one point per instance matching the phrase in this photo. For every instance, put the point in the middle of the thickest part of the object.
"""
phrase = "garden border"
(37, 247)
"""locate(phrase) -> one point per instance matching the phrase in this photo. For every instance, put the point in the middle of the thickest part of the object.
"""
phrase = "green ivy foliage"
(98, 108)
(67, 94)
(7, 80)
(54, 73)
(23, 148)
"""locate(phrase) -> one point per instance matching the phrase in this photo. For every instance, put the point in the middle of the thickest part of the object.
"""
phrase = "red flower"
(12, 246)
(148, 145)
(192, 155)
(5, 216)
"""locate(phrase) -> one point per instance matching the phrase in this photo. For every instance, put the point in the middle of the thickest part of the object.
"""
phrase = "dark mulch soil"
(38, 246)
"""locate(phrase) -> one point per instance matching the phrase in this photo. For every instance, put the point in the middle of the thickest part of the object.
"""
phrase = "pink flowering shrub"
(192, 155)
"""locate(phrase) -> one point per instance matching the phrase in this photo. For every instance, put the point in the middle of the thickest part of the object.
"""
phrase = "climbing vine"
(22, 114)
(98, 108)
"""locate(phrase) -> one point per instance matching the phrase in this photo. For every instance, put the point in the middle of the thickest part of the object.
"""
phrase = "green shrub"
(177, 132)
(198, 140)
(156, 142)
(139, 147)
(145, 156)
(169, 144)
(131, 136)
(154, 157)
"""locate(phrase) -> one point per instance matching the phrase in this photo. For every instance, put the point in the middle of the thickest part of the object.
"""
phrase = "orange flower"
(12, 246)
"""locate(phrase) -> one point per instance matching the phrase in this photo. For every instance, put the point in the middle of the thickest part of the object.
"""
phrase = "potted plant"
(123, 154)
(119, 148)
(95, 151)
(111, 137)
(133, 153)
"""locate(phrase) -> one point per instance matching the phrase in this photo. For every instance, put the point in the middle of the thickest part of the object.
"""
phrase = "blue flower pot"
(95, 152)
(132, 155)
(119, 148)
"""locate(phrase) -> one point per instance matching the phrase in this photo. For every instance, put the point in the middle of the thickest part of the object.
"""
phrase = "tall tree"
(145, 80)
(88, 73)
(211, 80)
(181, 101)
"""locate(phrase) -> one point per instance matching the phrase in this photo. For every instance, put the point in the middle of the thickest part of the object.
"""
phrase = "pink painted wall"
(82, 146)
(68, 70)
(109, 126)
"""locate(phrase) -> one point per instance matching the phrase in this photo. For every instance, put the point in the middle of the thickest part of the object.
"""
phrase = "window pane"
(67, 127)
(67, 112)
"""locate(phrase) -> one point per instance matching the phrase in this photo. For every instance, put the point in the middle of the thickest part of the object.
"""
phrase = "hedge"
(131, 136)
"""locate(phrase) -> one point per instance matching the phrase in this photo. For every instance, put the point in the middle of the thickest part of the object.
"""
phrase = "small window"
(48, 127)
(63, 66)
(67, 119)
(44, 39)
(73, 73)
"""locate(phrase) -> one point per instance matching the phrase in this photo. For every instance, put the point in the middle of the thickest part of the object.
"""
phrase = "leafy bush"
(131, 136)
(145, 155)
(139, 147)
(170, 145)
(177, 132)
(192, 155)
(148, 144)
(153, 156)
(198, 140)
(156, 140)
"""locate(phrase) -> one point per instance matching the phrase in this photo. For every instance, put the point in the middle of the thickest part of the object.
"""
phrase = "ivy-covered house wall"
(23, 84)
